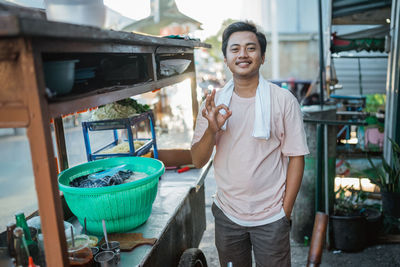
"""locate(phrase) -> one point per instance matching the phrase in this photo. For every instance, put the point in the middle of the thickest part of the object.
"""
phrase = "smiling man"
(257, 129)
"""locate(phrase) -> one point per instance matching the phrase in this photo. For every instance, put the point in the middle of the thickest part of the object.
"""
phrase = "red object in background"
(31, 263)
(184, 169)
(342, 168)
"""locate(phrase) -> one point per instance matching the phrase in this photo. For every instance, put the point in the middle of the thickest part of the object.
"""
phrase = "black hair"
(243, 26)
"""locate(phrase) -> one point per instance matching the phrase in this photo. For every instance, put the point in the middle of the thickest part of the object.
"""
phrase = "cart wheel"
(193, 257)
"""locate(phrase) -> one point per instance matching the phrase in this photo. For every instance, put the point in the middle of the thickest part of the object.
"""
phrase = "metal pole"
(326, 169)
(355, 56)
(395, 89)
(193, 88)
(360, 76)
(318, 181)
(335, 122)
(326, 176)
(391, 80)
(321, 98)
(321, 55)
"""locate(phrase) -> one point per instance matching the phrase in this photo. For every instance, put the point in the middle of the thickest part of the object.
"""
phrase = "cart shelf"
(74, 103)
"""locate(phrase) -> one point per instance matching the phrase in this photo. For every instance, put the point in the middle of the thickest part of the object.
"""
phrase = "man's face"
(243, 54)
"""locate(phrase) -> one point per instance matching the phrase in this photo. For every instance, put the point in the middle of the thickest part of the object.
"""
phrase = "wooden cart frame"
(24, 38)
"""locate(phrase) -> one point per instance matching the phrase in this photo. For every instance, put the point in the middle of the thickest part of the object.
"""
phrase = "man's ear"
(225, 60)
(262, 59)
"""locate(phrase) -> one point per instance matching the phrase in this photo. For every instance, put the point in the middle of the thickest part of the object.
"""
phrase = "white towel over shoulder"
(262, 119)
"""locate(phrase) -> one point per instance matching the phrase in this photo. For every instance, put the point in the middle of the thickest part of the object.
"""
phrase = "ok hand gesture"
(212, 114)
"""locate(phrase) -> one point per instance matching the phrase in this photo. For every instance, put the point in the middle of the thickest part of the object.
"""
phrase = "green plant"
(129, 102)
(375, 102)
(216, 41)
(387, 176)
(347, 205)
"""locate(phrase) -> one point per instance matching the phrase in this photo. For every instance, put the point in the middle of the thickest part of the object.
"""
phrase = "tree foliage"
(216, 41)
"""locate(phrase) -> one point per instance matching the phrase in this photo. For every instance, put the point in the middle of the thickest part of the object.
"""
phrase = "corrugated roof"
(341, 8)
(373, 75)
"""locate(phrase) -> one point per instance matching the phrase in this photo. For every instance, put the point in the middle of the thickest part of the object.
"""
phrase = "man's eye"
(234, 49)
(251, 48)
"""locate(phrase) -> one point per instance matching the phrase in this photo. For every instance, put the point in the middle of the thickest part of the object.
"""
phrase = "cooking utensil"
(105, 233)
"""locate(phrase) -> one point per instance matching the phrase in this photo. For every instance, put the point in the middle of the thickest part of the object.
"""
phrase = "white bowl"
(171, 66)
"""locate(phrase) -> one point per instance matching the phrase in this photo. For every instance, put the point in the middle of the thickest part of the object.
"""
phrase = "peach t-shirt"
(251, 173)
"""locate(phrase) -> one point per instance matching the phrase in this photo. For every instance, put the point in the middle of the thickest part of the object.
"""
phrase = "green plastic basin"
(124, 206)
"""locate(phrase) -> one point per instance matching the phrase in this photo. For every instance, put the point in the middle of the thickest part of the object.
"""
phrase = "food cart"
(27, 41)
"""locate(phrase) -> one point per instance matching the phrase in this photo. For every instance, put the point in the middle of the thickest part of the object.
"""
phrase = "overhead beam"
(371, 17)
(349, 7)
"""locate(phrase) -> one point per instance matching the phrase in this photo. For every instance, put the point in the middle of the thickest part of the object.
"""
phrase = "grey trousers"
(270, 243)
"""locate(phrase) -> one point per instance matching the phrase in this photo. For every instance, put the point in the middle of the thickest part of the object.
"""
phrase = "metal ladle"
(72, 237)
(105, 233)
